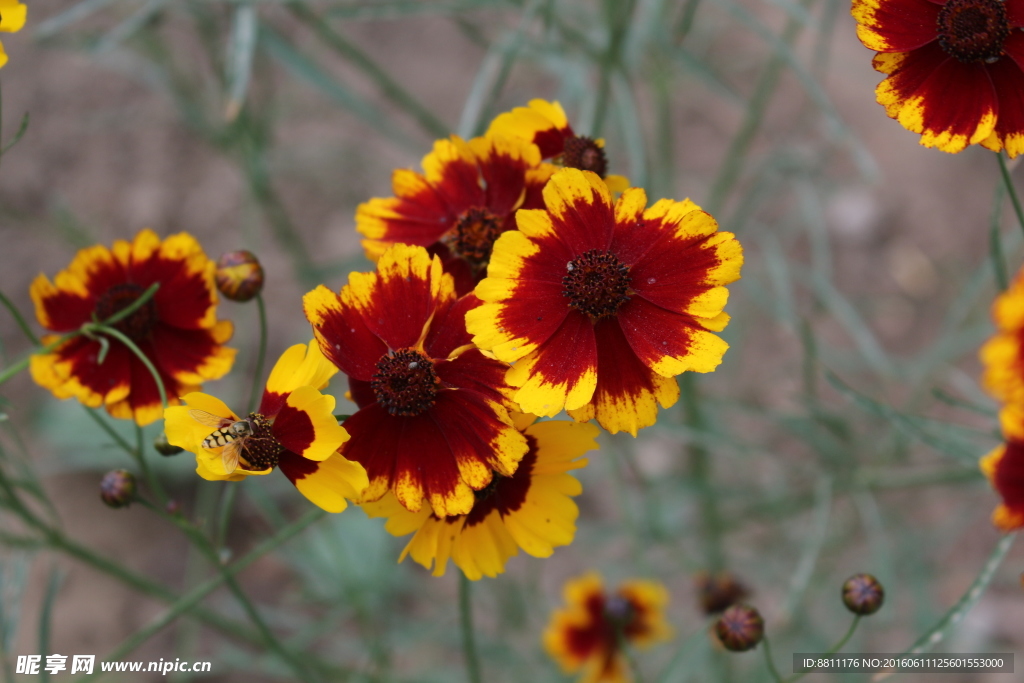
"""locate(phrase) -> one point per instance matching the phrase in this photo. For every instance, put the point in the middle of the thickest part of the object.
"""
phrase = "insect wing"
(229, 456)
(209, 419)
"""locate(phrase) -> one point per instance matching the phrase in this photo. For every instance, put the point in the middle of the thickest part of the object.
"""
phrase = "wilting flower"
(177, 329)
(12, 18)
(1003, 354)
(546, 125)
(954, 68)
(293, 429)
(432, 420)
(600, 306)
(533, 509)
(589, 632)
(466, 197)
(1004, 468)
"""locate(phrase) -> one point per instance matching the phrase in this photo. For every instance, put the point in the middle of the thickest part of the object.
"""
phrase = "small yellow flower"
(12, 18)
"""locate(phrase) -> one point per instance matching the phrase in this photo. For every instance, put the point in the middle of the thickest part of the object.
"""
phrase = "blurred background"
(840, 434)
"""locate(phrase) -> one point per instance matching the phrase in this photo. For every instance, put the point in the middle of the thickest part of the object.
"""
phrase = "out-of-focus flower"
(432, 421)
(545, 124)
(239, 275)
(954, 69)
(1003, 354)
(467, 195)
(1004, 468)
(600, 306)
(718, 591)
(117, 488)
(533, 509)
(863, 594)
(589, 632)
(294, 429)
(740, 628)
(177, 329)
(12, 19)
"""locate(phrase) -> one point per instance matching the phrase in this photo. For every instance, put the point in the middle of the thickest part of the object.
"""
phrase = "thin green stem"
(260, 355)
(619, 13)
(628, 656)
(118, 439)
(192, 599)
(767, 649)
(835, 648)
(120, 315)
(227, 502)
(1010, 189)
(389, 87)
(18, 318)
(733, 164)
(123, 338)
(995, 241)
(196, 536)
(702, 475)
(147, 472)
(468, 638)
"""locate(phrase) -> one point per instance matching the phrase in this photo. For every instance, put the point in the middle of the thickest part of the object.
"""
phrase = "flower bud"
(239, 275)
(163, 447)
(719, 591)
(117, 488)
(740, 628)
(863, 594)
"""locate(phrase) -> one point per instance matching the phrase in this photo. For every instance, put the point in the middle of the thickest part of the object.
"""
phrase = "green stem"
(1010, 190)
(767, 649)
(123, 338)
(762, 96)
(628, 656)
(118, 439)
(191, 600)
(389, 87)
(151, 478)
(835, 648)
(261, 355)
(995, 241)
(203, 544)
(22, 323)
(702, 475)
(120, 315)
(468, 639)
(224, 514)
(618, 25)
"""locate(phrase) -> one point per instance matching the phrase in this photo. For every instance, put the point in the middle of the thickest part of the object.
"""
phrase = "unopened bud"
(863, 594)
(239, 275)
(163, 447)
(117, 488)
(719, 591)
(740, 628)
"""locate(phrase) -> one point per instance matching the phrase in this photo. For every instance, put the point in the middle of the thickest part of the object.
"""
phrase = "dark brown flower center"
(973, 30)
(473, 236)
(260, 449)
(597, 283)
(405, 383)
(140, 322)
(583, 153)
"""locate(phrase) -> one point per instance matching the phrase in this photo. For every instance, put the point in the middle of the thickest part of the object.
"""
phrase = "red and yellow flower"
(432, 421)
(546, 125)
(588, 633)
(1004, 468)
(293, 429)
(533, 509)
(467, 195)
(12, 19)
(1003, 354)
(955, 68)
(177, 329)
(600, 306)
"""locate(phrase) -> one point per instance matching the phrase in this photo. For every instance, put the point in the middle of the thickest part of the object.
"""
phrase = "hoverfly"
(231, 435)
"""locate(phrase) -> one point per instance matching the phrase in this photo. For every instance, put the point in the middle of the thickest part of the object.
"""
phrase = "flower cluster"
(515, 278)
(1003, 358)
